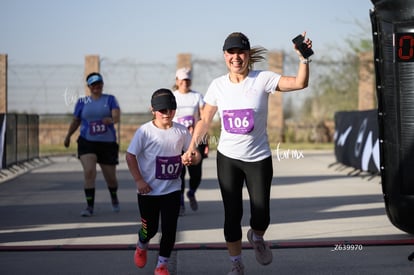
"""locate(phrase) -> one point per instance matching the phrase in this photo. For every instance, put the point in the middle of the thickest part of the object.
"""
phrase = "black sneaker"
(193, 201)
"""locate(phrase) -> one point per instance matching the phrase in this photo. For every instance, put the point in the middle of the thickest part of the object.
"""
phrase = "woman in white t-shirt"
(189, 107)
(155, 159)
(243, 152)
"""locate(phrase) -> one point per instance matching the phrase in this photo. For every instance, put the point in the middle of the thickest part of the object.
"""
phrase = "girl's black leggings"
(151, 209)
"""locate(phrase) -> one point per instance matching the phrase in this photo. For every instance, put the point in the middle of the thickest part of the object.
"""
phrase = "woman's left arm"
(301, 80)
(298, 82)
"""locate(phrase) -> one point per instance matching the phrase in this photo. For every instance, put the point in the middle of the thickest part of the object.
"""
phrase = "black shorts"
(106, 152)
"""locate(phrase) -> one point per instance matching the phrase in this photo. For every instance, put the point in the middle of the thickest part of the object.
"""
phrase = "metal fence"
(20, 138)
(55, 88)
(52, 90)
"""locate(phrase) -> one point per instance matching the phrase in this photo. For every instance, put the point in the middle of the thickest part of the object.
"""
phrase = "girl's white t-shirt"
(158, 152)
(243, 110)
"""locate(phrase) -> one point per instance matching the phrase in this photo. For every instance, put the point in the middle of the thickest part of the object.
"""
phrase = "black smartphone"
(301, 46)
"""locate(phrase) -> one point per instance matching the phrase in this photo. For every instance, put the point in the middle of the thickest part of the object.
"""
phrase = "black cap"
(236, 40)
(163, 99)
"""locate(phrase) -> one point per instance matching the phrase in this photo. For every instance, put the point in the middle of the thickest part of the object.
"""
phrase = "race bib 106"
(238, 121)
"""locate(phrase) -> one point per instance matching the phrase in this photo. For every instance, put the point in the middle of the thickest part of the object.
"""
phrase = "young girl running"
(155, 161)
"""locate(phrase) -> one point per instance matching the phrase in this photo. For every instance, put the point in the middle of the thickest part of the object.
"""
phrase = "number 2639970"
(348, 247)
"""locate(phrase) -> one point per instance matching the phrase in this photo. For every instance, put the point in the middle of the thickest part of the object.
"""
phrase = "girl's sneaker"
(161, 270)
(140, 257)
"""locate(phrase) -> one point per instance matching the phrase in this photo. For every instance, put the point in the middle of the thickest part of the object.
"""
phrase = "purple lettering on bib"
(97, 127)
(187, 121)
(168, 168)
(238, 121)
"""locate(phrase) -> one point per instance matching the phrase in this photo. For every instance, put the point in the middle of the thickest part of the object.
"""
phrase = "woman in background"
(97, 115)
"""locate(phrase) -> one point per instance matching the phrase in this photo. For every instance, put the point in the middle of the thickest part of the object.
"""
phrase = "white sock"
(162, 260)
(143, 246)
(237, 258)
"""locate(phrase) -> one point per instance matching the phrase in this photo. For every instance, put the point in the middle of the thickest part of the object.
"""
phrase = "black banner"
(393, 41)
(356, 140)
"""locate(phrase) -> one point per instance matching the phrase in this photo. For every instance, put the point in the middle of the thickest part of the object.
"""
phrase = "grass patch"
(53, 150)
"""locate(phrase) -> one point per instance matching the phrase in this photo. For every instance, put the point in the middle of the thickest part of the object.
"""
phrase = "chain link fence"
(51, 91)
(54, 88)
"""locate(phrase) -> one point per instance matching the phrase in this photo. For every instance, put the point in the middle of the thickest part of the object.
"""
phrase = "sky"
(63, 31)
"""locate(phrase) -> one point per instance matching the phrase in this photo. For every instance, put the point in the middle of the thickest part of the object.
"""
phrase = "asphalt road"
(325, 220)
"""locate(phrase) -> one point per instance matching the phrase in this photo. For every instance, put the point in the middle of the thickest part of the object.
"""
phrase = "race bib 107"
(168, 168)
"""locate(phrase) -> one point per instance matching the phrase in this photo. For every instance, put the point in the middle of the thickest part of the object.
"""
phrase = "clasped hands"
(191, 157)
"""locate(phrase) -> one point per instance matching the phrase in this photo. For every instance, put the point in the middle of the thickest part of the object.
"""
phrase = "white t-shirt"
(158, 152)
(243, 110)
(188, 107)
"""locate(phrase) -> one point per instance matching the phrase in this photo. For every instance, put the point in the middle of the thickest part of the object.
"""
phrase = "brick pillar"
(3, 83)
(92, 64)
(275, 120)
(183, 60)
(366, 86)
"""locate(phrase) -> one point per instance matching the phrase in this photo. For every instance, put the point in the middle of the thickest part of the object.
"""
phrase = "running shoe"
(115, 206)
(182, 210)
(262, 250)
(88, 212)
(162, 270)
(237, 269)
(193, 201)
(140, 257)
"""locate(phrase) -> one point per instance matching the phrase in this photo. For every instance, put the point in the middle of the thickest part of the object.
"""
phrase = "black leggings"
(150, 208)
(195, 172)
(232, 173)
